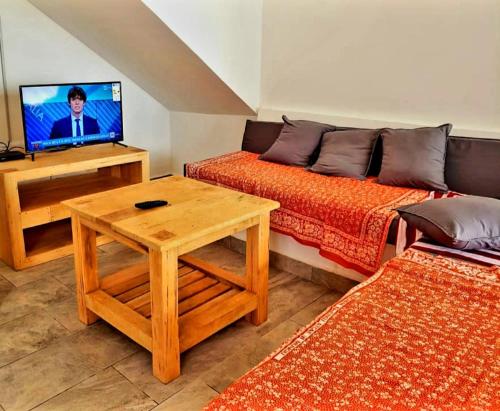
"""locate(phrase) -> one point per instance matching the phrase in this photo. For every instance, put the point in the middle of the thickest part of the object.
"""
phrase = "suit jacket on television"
(62, 127)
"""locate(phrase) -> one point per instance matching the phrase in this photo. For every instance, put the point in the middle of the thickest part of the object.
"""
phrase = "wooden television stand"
(34, 226)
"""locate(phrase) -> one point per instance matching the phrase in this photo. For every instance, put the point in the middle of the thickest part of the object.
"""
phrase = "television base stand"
(120, 144)
(52, 150)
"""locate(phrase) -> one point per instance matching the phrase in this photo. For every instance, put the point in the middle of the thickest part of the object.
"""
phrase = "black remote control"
(146, 205)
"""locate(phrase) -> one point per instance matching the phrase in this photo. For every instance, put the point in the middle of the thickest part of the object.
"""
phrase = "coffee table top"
(195, 210)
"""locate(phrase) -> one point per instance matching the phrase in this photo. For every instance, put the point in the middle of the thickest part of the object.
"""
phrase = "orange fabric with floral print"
(420, 334)
(347, 219)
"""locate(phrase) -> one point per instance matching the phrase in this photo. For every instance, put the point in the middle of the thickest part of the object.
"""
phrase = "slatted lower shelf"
(206, 303)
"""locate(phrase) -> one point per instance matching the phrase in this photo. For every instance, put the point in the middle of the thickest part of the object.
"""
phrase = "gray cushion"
(466, 223)
(297, 141)
(414, 157)
(259, 136)
(473, 166)
(346, 153)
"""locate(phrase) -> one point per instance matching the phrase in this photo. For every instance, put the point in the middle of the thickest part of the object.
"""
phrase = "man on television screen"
(76, 124)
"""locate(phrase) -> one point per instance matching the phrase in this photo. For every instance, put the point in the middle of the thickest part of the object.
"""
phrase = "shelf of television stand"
(40, 201)
(48, 241)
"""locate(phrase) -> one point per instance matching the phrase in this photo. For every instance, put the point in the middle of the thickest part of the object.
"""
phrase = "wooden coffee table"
(175, 300)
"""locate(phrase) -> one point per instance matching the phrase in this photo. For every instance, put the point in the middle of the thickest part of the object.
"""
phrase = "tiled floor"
(50, 361)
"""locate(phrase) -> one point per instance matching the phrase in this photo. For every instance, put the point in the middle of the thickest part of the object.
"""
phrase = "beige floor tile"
(194, 362)
(310, 312)
(137, 369)
(56, 267)
(108, 390)
(36, 378)
(232, 367)
(66, 313)
(28, 334)
(191, 398)
(6, 287)
(290, 296)
(99, 345)
(31, 297)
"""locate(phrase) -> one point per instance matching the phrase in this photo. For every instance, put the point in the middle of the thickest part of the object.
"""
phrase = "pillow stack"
(410, 157)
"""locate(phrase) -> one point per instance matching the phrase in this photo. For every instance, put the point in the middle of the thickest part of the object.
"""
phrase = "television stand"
(118, 143)
(34, 226)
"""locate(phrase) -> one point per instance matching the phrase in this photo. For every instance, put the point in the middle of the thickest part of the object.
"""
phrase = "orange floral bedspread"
(348, 220)
(423, 333)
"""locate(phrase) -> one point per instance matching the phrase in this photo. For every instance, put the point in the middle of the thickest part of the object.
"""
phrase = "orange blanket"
(420, 334)
(348, 220)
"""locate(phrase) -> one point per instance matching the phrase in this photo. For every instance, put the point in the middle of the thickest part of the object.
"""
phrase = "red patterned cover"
(421, 334)
(347, 219)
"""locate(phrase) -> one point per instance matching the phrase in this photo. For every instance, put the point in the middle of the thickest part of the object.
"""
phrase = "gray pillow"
(466, 223)
(414, 157)
(296, 142)
(346, 153)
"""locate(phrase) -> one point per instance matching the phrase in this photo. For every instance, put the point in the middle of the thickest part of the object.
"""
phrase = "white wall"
(200, 136)
(422, 62)
(38, 51)
(225, 34)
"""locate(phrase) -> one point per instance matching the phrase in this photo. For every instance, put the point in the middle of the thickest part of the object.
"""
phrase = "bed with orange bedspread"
(347, 220)
(423, 333)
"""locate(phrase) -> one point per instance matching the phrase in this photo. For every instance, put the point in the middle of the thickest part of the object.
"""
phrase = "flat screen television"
(58, 116)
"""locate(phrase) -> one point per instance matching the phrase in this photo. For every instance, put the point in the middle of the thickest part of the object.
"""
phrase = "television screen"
(62, 115)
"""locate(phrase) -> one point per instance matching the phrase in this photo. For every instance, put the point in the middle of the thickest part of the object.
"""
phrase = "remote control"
(146, 205)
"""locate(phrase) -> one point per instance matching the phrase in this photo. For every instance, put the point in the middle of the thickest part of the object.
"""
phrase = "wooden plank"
(133, 293)
(185, 269)
(54, 247)
(14, 225)
(139, 301)
(257, 267)
(214, 270)
(45, 193)
(73, 161)
(121, 317)
(190, 278)
(116, 236)
(202, 297)
(6, 252)
(196, 287)
(164, 318)
(125, 279)
(87, 280)
(142, 303)
(207, 319)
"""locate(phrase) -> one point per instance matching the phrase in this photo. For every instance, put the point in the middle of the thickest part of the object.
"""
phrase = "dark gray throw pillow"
(259, 136)
(414, 157)
(346, 153)
(296, 142)
(466, 223)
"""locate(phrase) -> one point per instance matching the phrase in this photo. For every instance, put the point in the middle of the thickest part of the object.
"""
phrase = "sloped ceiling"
(132, 38)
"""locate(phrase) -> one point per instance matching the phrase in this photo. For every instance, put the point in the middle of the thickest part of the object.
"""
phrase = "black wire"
(8, 147)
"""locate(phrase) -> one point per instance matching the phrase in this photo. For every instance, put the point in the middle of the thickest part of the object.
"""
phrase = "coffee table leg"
(87, 280)
(257, 267)
(164, 314)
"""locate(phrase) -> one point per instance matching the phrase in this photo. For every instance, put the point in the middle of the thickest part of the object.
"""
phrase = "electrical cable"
(4, 85)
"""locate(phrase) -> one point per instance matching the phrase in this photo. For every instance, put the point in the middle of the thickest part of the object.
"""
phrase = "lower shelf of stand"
(49, 241)
(205, 303)
(40, 201)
